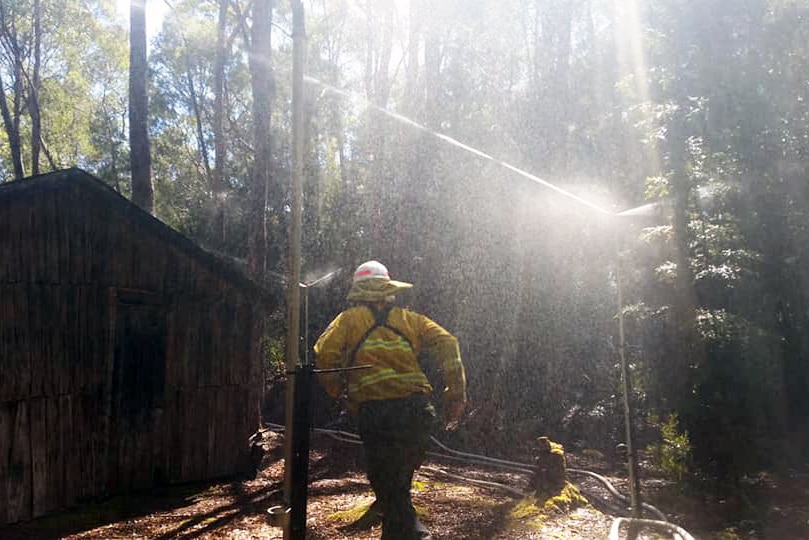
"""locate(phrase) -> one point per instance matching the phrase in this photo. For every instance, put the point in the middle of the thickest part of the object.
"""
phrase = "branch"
(51, 162)
(241, 141)
(241, 18)
(203, 148)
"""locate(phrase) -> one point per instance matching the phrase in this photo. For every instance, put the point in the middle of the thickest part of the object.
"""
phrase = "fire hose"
(676, 531)
(514, 466)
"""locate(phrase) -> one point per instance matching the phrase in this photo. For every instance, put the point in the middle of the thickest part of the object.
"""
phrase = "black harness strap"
(380, 321)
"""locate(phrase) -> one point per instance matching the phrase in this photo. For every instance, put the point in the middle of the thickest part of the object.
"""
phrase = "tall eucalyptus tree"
(140, 157)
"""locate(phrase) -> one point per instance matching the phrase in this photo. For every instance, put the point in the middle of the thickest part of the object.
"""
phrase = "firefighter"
(391, 397)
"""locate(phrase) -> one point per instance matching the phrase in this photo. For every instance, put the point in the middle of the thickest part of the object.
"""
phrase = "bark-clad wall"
(127, 355)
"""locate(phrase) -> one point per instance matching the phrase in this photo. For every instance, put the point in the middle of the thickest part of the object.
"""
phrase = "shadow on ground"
(226, 502)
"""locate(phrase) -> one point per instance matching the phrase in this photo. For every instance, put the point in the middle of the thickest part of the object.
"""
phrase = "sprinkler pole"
(300, 452)
(291, 476)
(626, 384)
(648, 211)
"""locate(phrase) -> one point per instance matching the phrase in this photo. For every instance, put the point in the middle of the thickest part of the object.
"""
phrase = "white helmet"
(372, 283)
(371, 270)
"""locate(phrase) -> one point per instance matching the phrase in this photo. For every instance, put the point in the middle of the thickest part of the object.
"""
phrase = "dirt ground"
(452, 509)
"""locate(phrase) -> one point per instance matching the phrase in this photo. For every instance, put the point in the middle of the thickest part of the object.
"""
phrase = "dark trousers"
(396, 435)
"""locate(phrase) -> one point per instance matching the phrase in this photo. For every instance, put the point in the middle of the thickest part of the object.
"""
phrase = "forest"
(538, 169)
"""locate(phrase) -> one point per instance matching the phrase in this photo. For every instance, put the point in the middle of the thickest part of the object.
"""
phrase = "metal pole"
(632, 458)
(293, 287)
(300, 452)
(305, 324)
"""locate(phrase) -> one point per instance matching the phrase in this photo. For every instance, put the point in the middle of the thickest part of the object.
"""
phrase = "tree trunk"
(381, 75)
(262, 85)
(140, 157)
(13, 134)
(552, 49)
(33, 94)
(685, 300)
(12, 113)
(560, 83)
(203, 148)
(19, 96)
(218, 179)
(377, 88)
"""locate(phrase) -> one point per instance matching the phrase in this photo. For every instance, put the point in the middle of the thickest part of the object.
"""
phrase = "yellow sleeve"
(329, 351)
(448, 355)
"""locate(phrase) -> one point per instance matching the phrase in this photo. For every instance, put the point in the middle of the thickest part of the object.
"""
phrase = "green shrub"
(673, 453)
(274, 358)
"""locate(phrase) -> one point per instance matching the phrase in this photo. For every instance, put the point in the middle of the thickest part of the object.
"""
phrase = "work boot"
(417, 532)
(422, 533)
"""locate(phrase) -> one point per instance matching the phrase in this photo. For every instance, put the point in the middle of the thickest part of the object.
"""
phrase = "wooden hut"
(129, 356)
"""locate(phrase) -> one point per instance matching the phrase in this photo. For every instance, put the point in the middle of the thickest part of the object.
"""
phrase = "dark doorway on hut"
(139, 375)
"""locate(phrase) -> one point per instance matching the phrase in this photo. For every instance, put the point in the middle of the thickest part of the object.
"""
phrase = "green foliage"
(672, 454)
(691, 102)
(83, 79)
(274, 358)
(657, 187)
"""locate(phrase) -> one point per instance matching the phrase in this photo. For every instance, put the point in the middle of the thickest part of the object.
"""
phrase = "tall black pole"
(300, 452)
(294, 279)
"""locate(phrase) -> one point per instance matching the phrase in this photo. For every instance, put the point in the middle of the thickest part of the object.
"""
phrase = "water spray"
(645, 211)
(455, 142)
(322, 280)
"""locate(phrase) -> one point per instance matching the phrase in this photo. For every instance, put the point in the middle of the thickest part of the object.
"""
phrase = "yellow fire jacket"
(395, 370)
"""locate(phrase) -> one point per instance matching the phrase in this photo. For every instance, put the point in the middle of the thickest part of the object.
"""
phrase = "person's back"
(391, 394)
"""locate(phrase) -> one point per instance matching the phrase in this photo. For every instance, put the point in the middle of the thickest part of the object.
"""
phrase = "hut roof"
(79, 179)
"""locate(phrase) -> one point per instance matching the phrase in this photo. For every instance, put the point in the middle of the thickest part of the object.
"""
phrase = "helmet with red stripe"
(372, 283)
